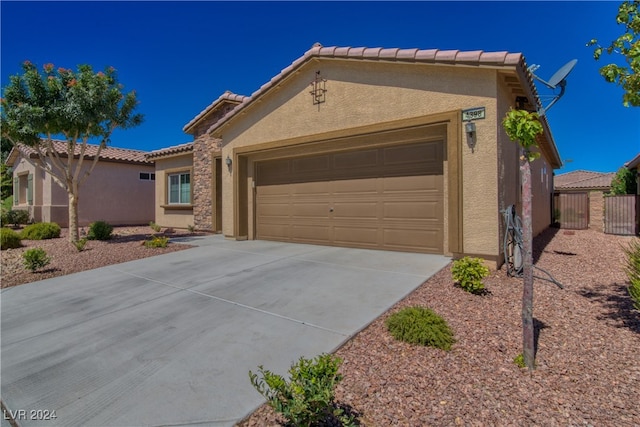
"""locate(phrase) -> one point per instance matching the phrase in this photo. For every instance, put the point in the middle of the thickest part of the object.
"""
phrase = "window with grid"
(180, 188)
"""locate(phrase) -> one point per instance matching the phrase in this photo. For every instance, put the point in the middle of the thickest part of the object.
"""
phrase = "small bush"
(9, 239)
(155, 227)
(191, 228)
(468, 273)
(420, 325)
(519, 361)
(100, 230)
(80, 244)
(15, 217)
(632, 269)
(307, 399)
(35, 258)
(157, 242)
(41, 231)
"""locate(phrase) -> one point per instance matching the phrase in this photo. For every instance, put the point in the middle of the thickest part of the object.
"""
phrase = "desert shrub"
(100, 230)
(9, 239)
(307, 399)
(191, 228)
(468, 273)
(155, 227)
(80, 244)
(35, 258)
(157, 242)
(15, 217)
(519, 361)
(41, 231)
(632, 268)
(420, 325)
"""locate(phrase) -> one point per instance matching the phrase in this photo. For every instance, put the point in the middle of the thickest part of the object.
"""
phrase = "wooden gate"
(571, 210)
(621, 214)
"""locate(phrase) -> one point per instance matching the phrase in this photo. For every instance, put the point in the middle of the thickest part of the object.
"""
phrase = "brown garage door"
(384, 198)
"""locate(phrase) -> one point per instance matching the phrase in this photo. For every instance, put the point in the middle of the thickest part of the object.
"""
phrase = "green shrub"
(420, 325)
(468, 273)
(632, 269)
(519, 361)
(99, 230)
(15, 217)
(9, 239)
(191, 228)
(307, 399)
(157, 242)
(80, 244)
(155, 227)
(41, 231)
(35, 258)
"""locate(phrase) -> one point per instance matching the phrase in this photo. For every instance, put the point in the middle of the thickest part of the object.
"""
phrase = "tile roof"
(582, 179)
(226, 96)
(108, 153)
(170, 151)
(427, 56)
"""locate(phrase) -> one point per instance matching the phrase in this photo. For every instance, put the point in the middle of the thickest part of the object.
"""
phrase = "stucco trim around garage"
(442, 126)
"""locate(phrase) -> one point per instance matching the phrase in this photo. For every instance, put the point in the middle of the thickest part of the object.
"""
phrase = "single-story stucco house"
(579, 198)
(120, 190)
(395, 149)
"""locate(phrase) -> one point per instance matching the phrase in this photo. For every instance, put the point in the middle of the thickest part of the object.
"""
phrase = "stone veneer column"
(202, 180)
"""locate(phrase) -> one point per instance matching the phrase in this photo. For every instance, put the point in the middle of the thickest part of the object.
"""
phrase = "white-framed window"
(179, 188)
(147, 176)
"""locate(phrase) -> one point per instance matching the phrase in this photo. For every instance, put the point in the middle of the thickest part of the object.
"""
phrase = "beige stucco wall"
(171, 217)
(113, 193)
(369, 94)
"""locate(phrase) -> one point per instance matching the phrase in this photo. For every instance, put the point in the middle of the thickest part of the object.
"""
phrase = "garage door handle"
(330, 209)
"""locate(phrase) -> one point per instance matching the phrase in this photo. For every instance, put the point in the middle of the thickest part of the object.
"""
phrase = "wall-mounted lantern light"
(228, 161)
(470, 130)
(318, 90)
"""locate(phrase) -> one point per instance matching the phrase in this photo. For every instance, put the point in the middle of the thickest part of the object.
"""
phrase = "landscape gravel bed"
(588, 339)
(127, 244)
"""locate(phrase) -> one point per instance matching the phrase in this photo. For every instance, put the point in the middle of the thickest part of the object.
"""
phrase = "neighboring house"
(120, 190)
(363, 147)
(579, 198)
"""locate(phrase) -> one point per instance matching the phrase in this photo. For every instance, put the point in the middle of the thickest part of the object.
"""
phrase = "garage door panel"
(310, 210)
(355, 210)
(356, 236)
(413, 240)
(310, 233)
(412, 210)
(387, 198)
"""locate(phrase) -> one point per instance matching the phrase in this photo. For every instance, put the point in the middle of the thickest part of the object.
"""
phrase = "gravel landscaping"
(587, 350)
(127, 244)
(587, 343)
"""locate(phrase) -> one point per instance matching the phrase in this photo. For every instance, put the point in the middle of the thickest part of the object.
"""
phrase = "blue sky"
(180, 56)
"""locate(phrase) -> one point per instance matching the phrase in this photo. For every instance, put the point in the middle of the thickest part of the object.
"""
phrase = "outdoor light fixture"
(318, 90)
(470, 129)
(228, 161)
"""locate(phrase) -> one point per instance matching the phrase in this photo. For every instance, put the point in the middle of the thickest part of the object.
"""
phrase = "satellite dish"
(559, 79)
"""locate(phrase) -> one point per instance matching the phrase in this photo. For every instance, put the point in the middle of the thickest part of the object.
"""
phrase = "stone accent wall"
(202, 181)
(596, 210)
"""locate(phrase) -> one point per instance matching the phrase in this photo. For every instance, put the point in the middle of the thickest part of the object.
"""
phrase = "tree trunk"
(73, 217)
(528, 347)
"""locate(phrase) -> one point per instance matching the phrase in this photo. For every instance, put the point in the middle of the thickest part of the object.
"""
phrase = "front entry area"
(388, 198)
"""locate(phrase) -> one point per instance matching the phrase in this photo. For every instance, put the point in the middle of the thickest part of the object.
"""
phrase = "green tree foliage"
(524, 128)
(628, 46)
(79, 107)
(623, 183)
(6, 181)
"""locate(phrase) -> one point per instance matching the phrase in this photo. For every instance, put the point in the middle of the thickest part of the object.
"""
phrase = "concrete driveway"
(169, 340)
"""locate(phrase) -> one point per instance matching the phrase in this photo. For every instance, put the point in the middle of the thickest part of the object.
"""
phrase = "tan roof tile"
(170, 151)
(108, 153)
(227, 96)
(582, 179)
